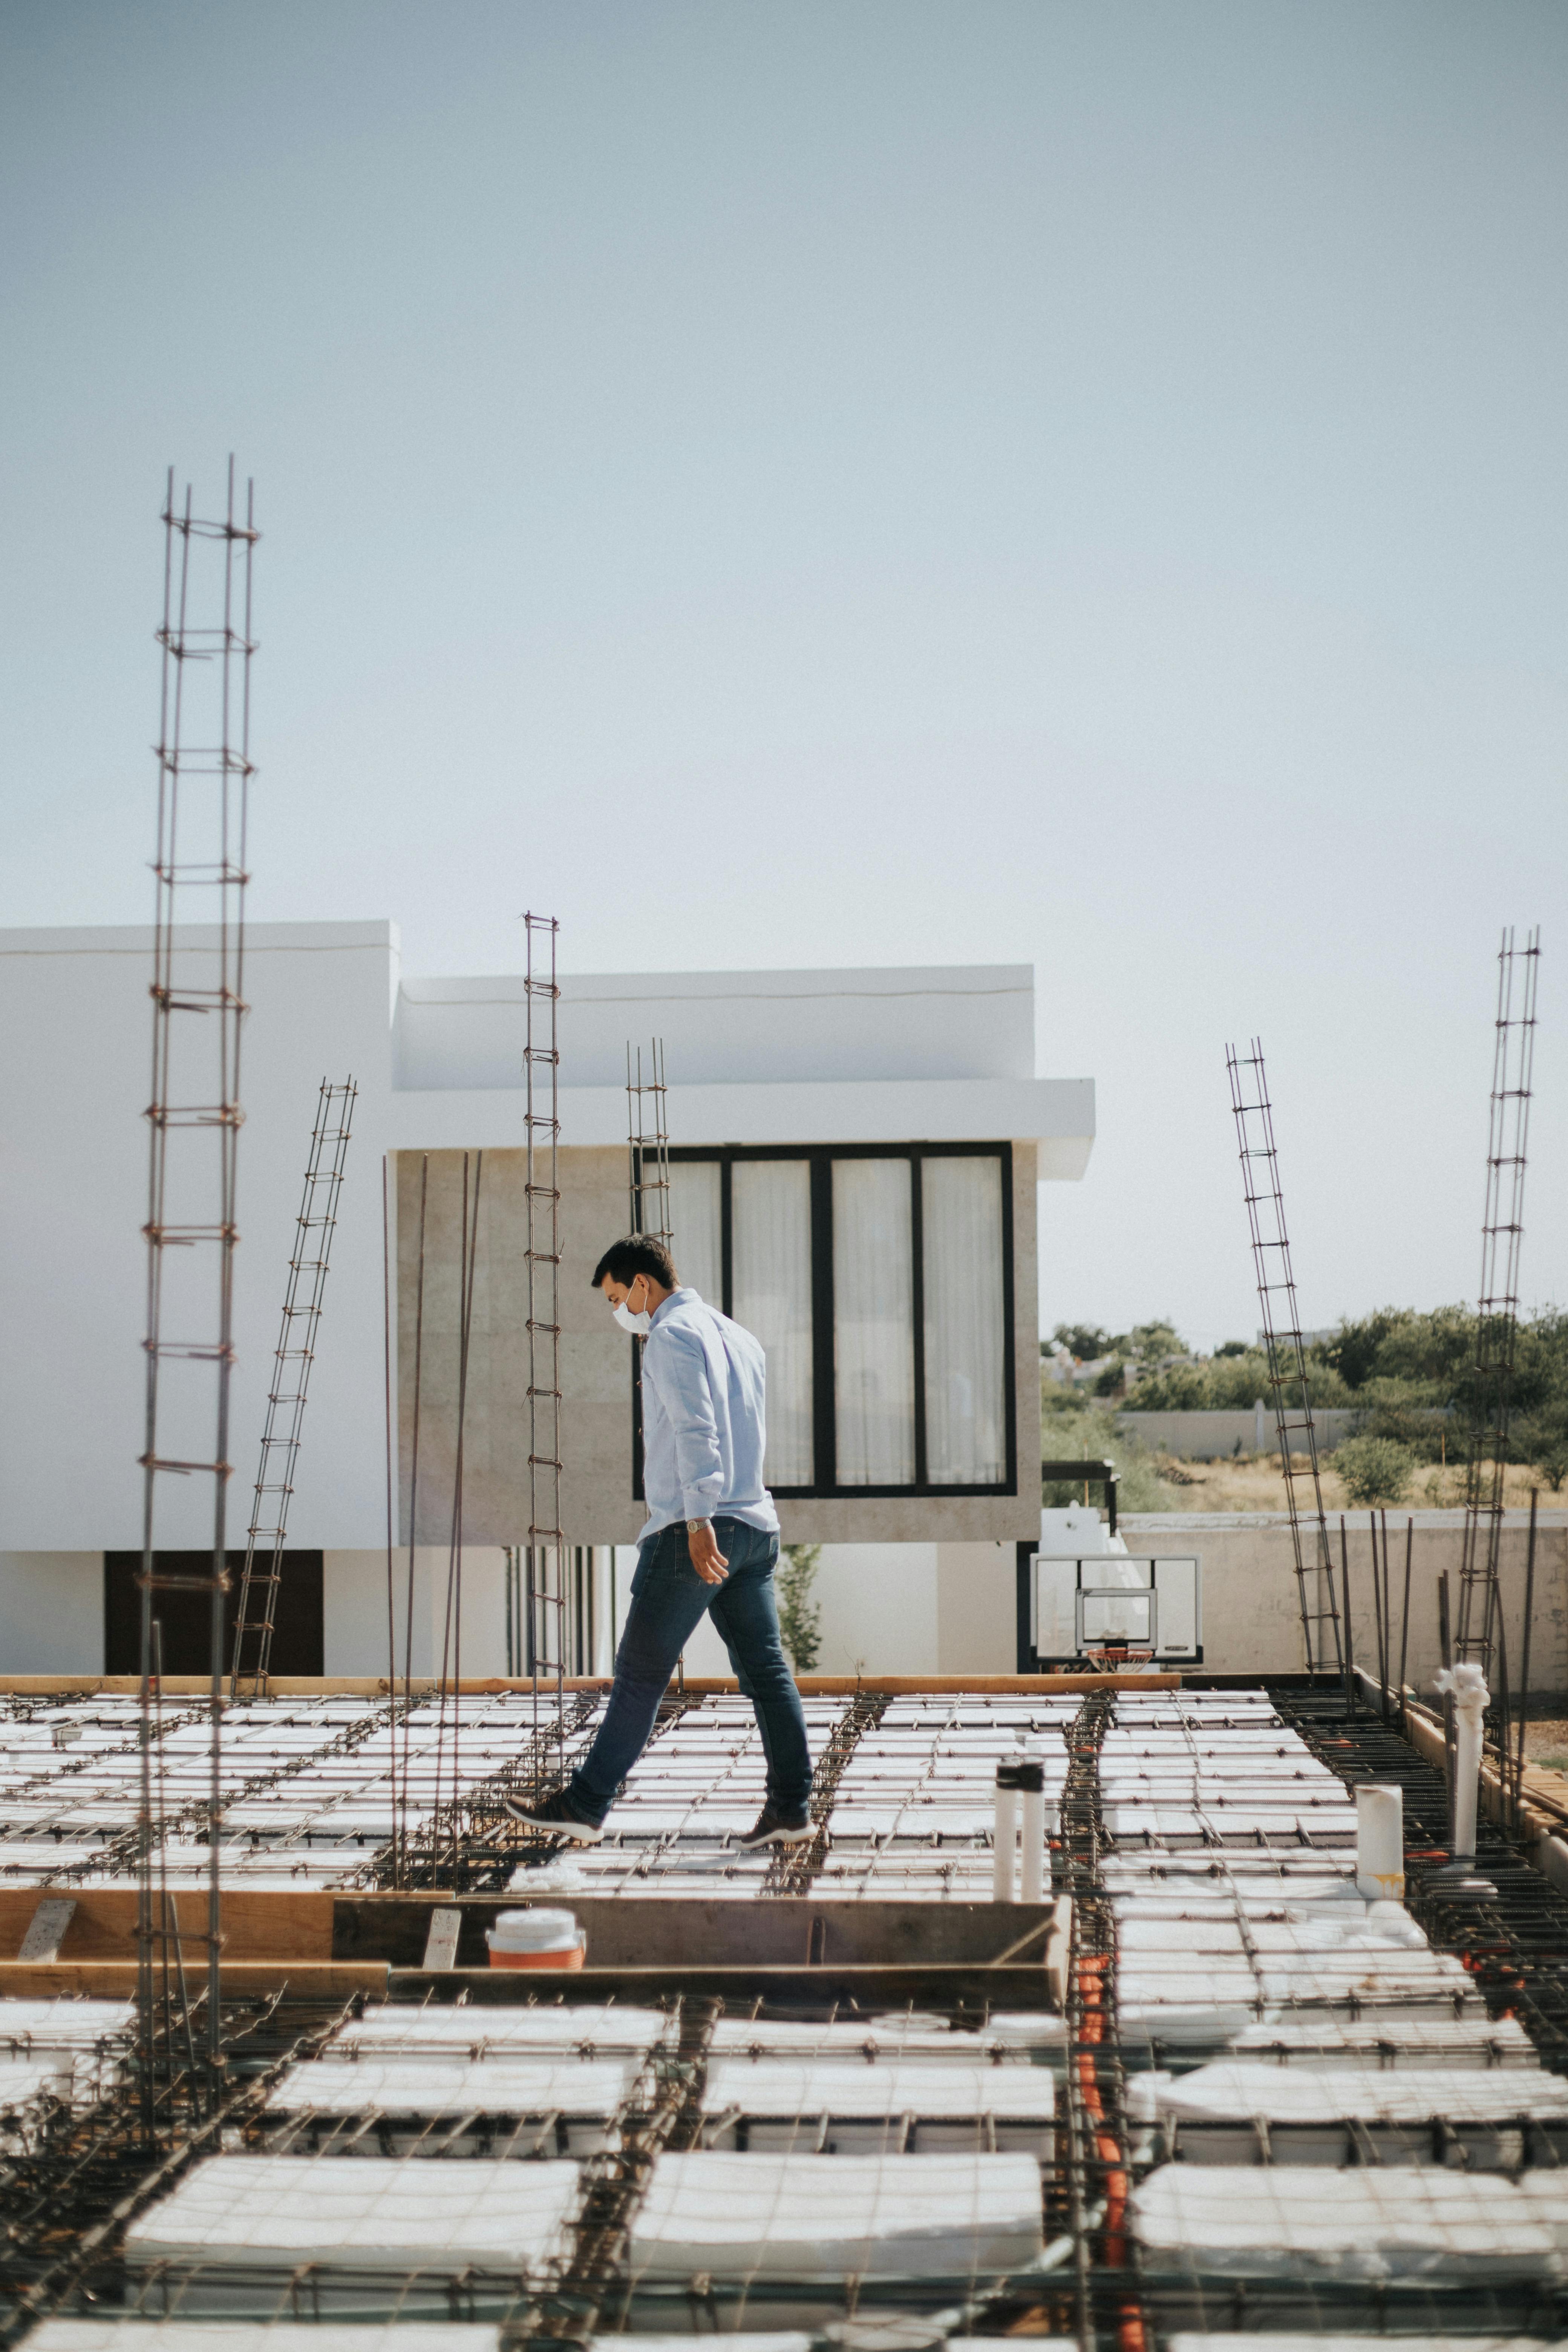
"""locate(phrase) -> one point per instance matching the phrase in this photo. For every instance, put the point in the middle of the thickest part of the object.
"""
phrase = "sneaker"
(774, 1828)
(553, 1816)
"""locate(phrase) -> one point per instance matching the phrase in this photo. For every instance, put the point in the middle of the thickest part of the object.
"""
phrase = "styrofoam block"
(1393, 2040)
(597, 2029)
(56, 2072)
(377, 2213)
(763, 2086)
(1234, 2088)
(1305, 2222)
(1333, 2341)
(493, 2086)
(831, 2217)
(63, 2024)
(780, 2340)
(260, 2336)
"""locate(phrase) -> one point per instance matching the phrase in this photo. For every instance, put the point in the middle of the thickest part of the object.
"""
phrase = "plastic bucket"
(536, 1939)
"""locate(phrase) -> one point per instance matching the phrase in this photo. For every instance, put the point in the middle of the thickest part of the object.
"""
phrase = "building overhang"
(1055, 1114)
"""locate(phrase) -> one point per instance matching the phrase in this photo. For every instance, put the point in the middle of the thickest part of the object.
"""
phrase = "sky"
(774, 486)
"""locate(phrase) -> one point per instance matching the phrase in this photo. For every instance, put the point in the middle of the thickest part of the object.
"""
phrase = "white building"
(855, 1156)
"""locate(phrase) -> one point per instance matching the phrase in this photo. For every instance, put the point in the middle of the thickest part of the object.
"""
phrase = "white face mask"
(638, 1324)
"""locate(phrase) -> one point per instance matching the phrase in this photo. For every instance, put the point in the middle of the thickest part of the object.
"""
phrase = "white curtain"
(769, 1212)
(696, 1217)
(960, 1218)
(873, 1319)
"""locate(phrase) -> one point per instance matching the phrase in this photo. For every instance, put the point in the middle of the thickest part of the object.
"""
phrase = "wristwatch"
(692, 1524)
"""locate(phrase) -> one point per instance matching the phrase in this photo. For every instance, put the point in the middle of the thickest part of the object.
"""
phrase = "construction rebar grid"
(257, 1613)
(194, 1117)
(64, 2206)
(1094, 2175)
(1479, 1626)
(792, 1868)
(470, 1842)
(647, 1145)
(1516, 1947)
(1287, 1355)
(664, 2116)
(547, 1567)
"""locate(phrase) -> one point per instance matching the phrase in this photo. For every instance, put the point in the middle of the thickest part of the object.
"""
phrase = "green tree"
(1154, 1340)
(1087, 1341)
(1374, 1469)
(800, 1617)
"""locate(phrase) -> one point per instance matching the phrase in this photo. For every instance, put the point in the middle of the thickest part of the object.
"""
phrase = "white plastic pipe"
(1032, 1874)
(1467, 1686)
(1003, 1860)
(1380, 1844)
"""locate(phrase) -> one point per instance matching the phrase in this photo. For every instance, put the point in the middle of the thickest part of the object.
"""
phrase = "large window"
(880, 1284)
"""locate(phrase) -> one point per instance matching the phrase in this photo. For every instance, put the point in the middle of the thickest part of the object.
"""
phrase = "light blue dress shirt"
(704, 1424)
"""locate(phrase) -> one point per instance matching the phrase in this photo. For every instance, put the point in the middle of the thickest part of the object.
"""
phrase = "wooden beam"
(116, 1980)
(372, 1687)
(258, 1923)
(814, 1989)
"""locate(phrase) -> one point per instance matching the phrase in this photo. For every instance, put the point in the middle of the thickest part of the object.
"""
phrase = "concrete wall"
(596, 1501)
(1209, 1436)
(51, 1612)
(596, 1371)
(904, 1609)
(1252, 1616)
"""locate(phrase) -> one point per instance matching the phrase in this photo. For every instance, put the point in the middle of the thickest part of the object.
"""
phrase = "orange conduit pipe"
(1091, 1968)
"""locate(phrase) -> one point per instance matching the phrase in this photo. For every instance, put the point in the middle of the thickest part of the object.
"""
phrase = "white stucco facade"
(758, 1057)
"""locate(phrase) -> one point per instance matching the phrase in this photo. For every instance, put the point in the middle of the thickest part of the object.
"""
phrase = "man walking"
(712, 1543)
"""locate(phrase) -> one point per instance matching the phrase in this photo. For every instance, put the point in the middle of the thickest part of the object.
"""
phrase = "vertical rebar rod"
(1404, 1621)
(1497, 1305)
(1286, 1352)
(1349, 1643)
(303, 1296)
(194, 1116)
(386, 1293)
(1378, 1590)
(1524, 1662)
(1446, 1650)
(452, 1630)
(400, 1802)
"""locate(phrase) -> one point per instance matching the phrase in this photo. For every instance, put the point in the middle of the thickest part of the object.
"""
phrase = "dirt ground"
(1546, 1741)
(1253, 1482)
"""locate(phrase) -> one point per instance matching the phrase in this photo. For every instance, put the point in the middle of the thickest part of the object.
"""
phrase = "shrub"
(1091, 1435)
(1374, 1469)
(1541, 1440)
(800, 1617)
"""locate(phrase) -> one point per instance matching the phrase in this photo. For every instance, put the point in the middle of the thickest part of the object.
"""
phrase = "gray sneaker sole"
(779, 1837)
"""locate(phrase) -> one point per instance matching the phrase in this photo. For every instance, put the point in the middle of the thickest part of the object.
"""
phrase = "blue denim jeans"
(668, 1599)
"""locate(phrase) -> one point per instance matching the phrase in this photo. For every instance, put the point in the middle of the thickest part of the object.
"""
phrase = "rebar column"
(546, 1564)
(1287, 1355)
(194, 1120)
(647, 1144)
(303, 1299)
(1497, 1305)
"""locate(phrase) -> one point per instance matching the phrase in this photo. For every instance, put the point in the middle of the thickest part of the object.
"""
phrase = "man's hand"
(706, 1557)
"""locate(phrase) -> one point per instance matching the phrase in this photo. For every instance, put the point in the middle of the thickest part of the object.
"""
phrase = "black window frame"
(825, 1430)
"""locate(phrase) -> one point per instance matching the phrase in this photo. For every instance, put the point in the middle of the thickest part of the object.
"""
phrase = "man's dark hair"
(638, 1253)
